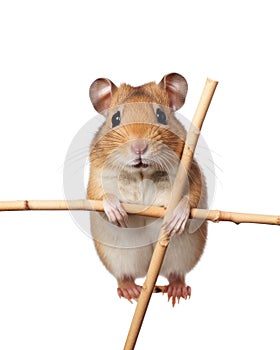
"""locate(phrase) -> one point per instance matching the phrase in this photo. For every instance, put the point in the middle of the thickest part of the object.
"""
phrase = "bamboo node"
(144, 287)
(189, 152)
(217, 216)
(26, 205)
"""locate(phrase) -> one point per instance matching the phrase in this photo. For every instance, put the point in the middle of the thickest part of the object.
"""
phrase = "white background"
(55, 293)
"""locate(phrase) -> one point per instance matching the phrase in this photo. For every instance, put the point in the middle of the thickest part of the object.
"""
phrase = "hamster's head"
(141, 132)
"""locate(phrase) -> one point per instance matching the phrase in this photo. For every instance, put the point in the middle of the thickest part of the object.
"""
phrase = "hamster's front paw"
(114, 210)
(176, 224)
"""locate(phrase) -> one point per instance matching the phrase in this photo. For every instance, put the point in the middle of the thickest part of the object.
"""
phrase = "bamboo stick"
(163, 240)
(77, 204)
(152, 211)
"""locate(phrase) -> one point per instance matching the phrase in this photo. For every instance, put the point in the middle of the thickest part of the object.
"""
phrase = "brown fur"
(111, 149)
(150, 93)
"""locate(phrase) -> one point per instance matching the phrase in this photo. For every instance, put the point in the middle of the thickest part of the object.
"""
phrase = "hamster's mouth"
(139, 163)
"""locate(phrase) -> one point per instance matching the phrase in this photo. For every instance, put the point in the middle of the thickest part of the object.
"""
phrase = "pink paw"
(129, 290)
(176, 291)
(114, 210)
(176, 224)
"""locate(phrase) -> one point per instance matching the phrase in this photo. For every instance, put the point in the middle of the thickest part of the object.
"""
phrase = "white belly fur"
(127, 252)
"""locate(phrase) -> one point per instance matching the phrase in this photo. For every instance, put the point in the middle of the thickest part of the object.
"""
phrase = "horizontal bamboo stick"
(152, 211)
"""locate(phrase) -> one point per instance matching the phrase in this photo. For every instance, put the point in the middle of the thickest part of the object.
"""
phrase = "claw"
(177, 290)
(176, 224)
(114, 211)
(129, 290)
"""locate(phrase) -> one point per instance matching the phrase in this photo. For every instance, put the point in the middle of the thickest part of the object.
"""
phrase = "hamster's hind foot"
(129, 290)
(176, 290)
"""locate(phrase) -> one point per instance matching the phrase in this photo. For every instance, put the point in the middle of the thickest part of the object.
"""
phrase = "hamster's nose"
(139, 146)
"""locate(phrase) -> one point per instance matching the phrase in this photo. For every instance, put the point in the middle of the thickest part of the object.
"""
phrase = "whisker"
(199, 146)
(69, 161)
(83, 166)
(167, 161)
(216, 166)
(77, 152)
(73, 158)
(209, 170)
(78, 163)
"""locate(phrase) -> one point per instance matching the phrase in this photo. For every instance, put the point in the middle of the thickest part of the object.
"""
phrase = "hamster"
(134, 158)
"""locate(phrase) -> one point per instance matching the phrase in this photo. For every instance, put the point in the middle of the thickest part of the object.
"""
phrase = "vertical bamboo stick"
(163, 240)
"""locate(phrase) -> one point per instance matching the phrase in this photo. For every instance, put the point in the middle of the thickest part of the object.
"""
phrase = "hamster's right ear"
(176, 87)
(100, 93)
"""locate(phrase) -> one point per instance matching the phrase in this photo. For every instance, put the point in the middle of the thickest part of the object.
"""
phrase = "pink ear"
(176, 87)
(100, 92)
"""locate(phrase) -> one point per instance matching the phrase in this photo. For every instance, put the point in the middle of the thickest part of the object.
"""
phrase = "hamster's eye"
(116, 119)
(161, 117)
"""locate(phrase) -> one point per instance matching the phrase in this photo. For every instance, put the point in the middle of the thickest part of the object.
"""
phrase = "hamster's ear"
(176, 87)
(100, 93)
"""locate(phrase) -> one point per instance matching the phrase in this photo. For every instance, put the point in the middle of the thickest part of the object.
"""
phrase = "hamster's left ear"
(176, 87)
(101, 92)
